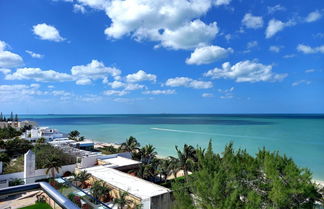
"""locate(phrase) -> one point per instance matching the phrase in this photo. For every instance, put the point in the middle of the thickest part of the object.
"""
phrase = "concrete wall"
(39, 173)
(163, 201)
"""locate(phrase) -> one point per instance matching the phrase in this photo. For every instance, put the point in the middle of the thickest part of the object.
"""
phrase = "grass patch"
(38, 206)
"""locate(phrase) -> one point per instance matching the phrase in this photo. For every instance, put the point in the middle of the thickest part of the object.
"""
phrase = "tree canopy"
(236, 179)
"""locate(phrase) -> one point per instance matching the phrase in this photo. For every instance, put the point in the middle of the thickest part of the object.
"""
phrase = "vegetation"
(38, 205)
(45, 153)
(9, 133)
(16, 182)
(11, 118)
(107, 150)
(99, 190)
(239, 180)
(41, 140)
(82, 177)
(52, 163)
(130, 145)
(75, 135)
(121, 201)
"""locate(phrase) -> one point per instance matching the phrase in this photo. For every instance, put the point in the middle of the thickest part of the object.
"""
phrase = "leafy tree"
(53, 163)
(82, 177)
(16, 147)
(238, 180)
(121, 201)
(9, 133)
(41, 140)
(74, 135)
(147, 153)
(186, 158)
(26, 127)
(4, 157)
(99, 190)
(130, 145)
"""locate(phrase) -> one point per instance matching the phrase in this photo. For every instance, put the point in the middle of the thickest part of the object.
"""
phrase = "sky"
(161, 56)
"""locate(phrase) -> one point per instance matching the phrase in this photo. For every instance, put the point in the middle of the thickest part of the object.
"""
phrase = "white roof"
(119, 162)
(133, 185)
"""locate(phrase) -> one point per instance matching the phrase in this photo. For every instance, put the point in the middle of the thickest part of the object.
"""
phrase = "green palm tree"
(147, 153)
(130, 145)
(99, 189)
(53, 163)
(186, 158)
(82, 177)
(121, 201)
(164, 168)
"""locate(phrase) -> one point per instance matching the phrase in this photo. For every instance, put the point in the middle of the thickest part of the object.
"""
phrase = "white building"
(42, 132)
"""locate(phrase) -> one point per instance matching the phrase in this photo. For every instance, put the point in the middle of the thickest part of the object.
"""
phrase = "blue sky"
(161, 56)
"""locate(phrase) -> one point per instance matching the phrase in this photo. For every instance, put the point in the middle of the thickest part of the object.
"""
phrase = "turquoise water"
(298, 136)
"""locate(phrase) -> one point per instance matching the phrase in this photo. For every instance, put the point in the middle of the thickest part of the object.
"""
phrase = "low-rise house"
(42, 132)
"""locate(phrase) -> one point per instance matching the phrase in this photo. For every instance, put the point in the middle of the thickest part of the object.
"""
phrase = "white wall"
(39, 173)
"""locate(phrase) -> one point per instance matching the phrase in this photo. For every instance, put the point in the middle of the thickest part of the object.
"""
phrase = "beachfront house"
(42, 132)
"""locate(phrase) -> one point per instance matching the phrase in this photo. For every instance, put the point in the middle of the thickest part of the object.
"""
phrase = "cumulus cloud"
(251, 21)
(245, 71)
(313, 16)
(274, 26)
(310, 50)
(208, 54)
(85, 74)
(297, 83)
(34, 55)
(140, 76)
(222, 2)
(188, 82)
(173, 24)
(7, 58)
(39, 75)
(79, 8)
(158, 92)
(276, 8)
(47, 32)
(115, 92)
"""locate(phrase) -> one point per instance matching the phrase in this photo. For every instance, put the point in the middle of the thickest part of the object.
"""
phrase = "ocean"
(299, 136)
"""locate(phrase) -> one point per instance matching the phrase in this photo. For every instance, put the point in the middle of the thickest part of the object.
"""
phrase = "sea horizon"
(298, 136)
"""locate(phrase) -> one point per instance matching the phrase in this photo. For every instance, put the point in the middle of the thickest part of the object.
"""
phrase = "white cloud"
(251, 21)
(226, 93)
(116, 84)
(276, 8)
(297, 83)
(34, 55)
(173, 24)
(79, 8)
(245, 71)
(222, 2)
(313, 16)
(140, 76)
(18, 92)
(274, 26)
(5, 71)
(287, 56)
(206, 95)
(310, 50)
(208, 54)
(189, 36)
(158, 92)
(50, 86)
(133, 86)
(85, 74)
(61, 93)
(7, 58)
(47, 32)
(115, 92)
(188, 82)
(275, 48)
(38, 75)
(83, 81)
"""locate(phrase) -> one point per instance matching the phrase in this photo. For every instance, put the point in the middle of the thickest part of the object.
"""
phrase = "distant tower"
(29, 167)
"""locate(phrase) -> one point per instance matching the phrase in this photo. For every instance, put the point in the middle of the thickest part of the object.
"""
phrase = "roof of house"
(133, 185)
(118, 161)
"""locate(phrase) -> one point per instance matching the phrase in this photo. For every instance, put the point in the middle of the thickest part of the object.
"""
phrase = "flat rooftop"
(133, 185)
(119, 162)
